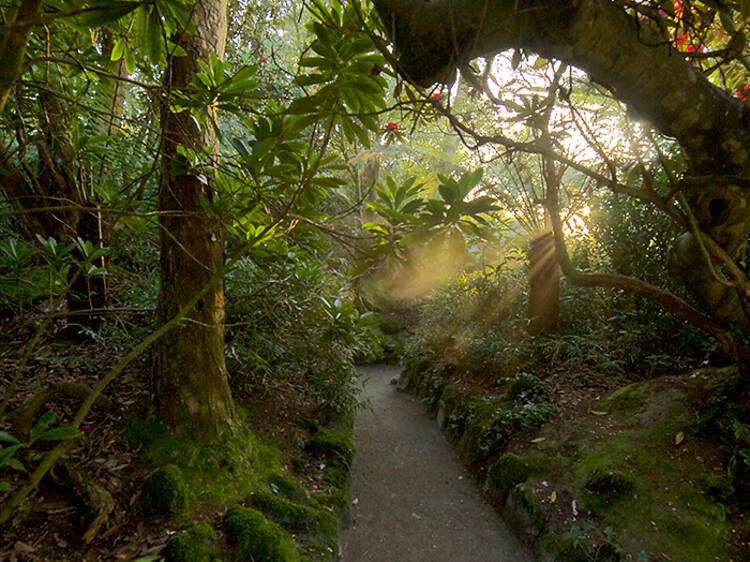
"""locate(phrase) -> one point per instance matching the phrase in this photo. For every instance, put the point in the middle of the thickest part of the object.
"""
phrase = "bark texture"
(13, 46)
(190, 379)
(544, 284)
(639, 65)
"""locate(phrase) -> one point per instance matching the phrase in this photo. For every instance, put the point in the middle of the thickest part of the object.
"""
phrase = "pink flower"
(86, 427)
(575, 508)
(262, 59)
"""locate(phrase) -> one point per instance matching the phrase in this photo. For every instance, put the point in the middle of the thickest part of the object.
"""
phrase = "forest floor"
(53, 521)
(412, 500)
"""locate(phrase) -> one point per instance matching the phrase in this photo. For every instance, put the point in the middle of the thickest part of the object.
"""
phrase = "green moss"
(523, 509)
(607, 487)
(628, 399)
(256, 538)
(298, 463)
(288, 487)
(718, 486)
(166, 492)
(291, 515)
(511, 469)
(197, 544)
(479, 439)
(222, 471)
(309, 424)
(328, 443)
(448, 398)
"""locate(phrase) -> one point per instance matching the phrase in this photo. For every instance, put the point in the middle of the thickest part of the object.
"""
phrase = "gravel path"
(411, 497)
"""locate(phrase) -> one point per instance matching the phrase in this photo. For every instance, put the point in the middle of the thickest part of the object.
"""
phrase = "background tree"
(633, 51)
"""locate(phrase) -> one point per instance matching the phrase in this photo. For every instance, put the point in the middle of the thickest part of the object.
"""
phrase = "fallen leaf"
(22, 548)
(553, 497)
(599, 413)
(679, 438)
(538, 439)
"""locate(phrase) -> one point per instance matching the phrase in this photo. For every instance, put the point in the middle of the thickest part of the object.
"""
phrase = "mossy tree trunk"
(641, 67)
(189, 374)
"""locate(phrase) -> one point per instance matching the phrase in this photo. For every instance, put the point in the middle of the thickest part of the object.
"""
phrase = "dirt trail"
(411, 497)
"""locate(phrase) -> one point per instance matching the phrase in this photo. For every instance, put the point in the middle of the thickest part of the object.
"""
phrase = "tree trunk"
(544, 284)
(13, 45)
(189, 374)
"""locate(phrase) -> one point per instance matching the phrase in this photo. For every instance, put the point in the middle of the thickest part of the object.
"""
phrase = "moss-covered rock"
(328, 443)
(256, 538)
(287, 487)
(511, 469)
(482, 436)
(166, 492)
(291, 515)
(607, 487)
(448, 398)
(524, 512)
(197, 544)
(628, 399)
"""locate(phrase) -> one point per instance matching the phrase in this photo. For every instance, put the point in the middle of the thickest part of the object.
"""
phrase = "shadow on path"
(411, 498)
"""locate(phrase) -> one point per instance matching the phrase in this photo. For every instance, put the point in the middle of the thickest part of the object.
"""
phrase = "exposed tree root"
(26, 414)
(98, 502)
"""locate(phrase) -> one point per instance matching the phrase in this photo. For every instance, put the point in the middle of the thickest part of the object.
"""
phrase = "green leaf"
(7, 437)
(321, 62)
(361, 135)
(309, 79)
(15, 463)
(516, 60)
(117, 50)
(129, 61)
(102, 13)
(727, 23)
(7, 453)
(240, 147)
(43, 423)
(4, 486)
(153, 37)
(60, 433)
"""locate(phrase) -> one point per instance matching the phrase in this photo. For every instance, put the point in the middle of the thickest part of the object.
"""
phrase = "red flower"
(690, 49)
(86, 427)
(391, 127)
(437, 96)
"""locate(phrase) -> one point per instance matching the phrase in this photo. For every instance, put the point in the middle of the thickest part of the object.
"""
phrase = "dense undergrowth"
(279, 479)
(598, 441)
